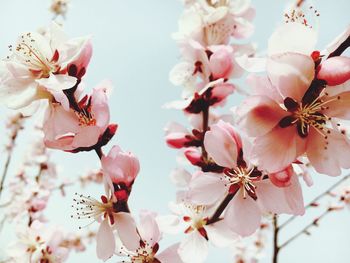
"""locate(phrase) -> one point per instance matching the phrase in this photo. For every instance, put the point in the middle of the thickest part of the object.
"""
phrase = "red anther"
(187, 218)
(155, 248)
(203, 232)
(104, 199)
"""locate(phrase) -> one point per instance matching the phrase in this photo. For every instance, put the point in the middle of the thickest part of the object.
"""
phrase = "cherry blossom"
(192, 220)
(77, 128)
(214, 22)
(148, 246)
(42, 66)
(251, 192)
(107, 213)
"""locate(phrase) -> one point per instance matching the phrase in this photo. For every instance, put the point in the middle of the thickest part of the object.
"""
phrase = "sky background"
(133, 48)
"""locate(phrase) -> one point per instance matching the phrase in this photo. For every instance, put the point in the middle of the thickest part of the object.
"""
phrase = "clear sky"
(134, 49)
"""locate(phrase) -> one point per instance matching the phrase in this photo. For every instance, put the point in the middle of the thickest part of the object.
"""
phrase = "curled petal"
(335, 70)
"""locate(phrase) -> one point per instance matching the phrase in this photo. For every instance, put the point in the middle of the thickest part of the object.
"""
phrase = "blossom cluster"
(240, 165)
(249, 162)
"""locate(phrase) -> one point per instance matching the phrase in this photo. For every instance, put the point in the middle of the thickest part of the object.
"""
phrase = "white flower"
(42, 66)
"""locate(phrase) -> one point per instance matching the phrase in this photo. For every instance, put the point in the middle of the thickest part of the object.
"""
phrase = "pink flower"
(305, 123)
(42, 66)
(110, 218)
(81, 128)
(121, 167)
(294, 111)
(251, 191)
(148, 246)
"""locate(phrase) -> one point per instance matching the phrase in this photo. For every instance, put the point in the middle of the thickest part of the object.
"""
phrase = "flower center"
(145, 254)
(31, 56)
(88, 207)
(196, 220)
(305, 115)
(86, 118)
(242, 178)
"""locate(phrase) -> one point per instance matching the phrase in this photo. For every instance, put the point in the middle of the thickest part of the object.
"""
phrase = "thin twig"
(220, 209)
(317, 198)
(205, 112)
(276, 229)
(306, 228)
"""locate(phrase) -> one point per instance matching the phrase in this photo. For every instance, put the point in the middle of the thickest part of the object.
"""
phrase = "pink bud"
(177, 140)
(220, 64)
(193, 155)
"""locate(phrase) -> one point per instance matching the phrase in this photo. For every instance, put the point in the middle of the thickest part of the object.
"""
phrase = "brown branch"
(220, 209)
(317, 198)
(305, 230)
(205, 116)
(342, 47)
(276, 230)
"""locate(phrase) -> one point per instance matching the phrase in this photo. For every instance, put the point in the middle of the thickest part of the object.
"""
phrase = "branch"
(205, 112)
(320, 196)
(220, 209)
(342, 47)
(306, 228)
(276, 230)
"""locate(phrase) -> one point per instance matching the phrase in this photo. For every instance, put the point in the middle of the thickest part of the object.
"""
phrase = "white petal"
(170, 255)
(220, 235)
(243, 216)
(193, 248)
(126, 228)
(293, 37)
(105, 241)
(207, 188)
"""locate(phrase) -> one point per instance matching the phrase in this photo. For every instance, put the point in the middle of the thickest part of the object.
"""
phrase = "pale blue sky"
(133, 48)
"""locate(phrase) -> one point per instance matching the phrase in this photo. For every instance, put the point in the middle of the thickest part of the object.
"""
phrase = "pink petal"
(293, 37)
(278, 148)
(328, 158)
(291, 74)
(220, 63)
(207, 188)
(243, 215)
(222, 145)
(148, 229)
(193, 248)
(99, 106)
(261, 85)
(86, 137)
(126, 228)
(294, 196)
(339, 106)
(335, 70)
(220, 235)
(170, 255)
(258, 115)
(105, 241)
(279, 200)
